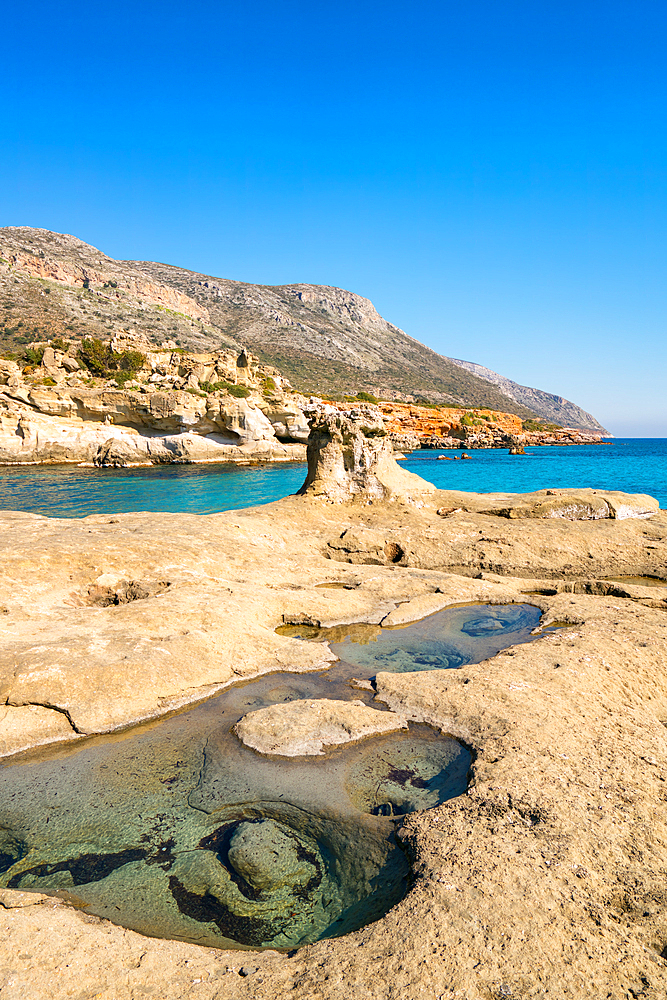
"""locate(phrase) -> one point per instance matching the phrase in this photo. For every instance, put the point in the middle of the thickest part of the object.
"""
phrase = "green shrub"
(240, 391)
(58, 344)
(33, 356)
(366, 397)
(539, 425)
(100, 360)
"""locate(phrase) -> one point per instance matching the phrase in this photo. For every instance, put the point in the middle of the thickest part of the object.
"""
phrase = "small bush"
(58, 344)
(33, 356)
(240, 391)
(539, 425)
(366, 397)
(100, 360)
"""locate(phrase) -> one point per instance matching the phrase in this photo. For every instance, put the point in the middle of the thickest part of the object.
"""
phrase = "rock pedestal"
(351, 456)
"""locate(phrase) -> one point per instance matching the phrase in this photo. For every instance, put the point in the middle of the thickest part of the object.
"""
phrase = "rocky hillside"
(545, 404)
(324, 340)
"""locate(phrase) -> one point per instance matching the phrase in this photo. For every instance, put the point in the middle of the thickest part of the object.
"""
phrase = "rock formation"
(326, 340)
(302, 728)
(350, 456)
(544, 880)
(177, 407)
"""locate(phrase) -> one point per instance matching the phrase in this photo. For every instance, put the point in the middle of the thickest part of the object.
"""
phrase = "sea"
(632, 465)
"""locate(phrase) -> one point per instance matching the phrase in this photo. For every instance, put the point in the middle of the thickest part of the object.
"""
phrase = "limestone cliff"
(325, 340)
(175, 408)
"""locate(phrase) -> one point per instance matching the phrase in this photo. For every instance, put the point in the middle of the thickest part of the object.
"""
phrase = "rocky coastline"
(178, 406)
(546, 879)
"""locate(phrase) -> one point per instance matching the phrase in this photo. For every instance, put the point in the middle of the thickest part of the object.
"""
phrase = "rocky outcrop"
(577, 505)
(116, 427)
(306, 728)
(178, 407)
(451, 427)
(351, 457)
(326, 340)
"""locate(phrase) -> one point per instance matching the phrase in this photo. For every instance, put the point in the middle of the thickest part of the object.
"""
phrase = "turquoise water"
(633, 465)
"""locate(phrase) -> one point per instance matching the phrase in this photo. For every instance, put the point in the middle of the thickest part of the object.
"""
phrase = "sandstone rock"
(349, 456)
(8, 370)
(564, 825)
(578, 505)
(305, 728)
(123, 427)
(31, 725)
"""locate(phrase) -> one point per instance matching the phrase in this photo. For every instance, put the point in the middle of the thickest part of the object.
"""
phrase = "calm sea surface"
(634, 465)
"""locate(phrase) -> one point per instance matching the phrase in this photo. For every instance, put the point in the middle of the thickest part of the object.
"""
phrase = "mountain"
(546, 405)
(326, 340)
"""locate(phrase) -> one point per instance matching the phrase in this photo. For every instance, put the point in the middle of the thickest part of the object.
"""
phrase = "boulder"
(304, 728)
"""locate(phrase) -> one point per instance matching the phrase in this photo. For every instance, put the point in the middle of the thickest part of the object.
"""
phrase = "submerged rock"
(303, 728)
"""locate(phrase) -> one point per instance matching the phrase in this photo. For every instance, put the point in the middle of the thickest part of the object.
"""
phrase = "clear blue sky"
(491, 174)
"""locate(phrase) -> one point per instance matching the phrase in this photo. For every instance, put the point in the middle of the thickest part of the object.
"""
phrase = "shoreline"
(109, 620)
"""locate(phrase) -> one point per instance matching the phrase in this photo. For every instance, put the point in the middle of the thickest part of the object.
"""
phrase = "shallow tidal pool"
(177, 830)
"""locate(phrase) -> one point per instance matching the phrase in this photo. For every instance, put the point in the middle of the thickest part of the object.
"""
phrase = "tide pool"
(633, 465)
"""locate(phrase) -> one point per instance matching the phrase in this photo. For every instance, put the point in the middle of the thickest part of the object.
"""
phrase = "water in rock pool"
(177, 830)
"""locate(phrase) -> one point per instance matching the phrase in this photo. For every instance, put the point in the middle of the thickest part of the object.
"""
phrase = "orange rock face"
(76, 274)
(444, 421)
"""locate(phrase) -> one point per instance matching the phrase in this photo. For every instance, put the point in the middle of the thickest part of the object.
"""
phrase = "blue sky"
(490, 174)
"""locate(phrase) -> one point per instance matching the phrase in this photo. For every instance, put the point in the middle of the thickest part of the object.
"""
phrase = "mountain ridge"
(326, 340)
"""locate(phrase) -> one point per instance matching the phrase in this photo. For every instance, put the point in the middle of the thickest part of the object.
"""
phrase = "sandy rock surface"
(302, 728)
(547, 879)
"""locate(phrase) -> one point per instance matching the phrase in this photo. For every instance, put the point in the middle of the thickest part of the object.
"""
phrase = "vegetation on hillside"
(540, 425)
(100, 360)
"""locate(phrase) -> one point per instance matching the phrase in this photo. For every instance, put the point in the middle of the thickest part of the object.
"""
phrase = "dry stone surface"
(302, 728)
(545, 880)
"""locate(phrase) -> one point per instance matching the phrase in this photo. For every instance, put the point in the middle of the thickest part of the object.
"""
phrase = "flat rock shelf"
(178, 830)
